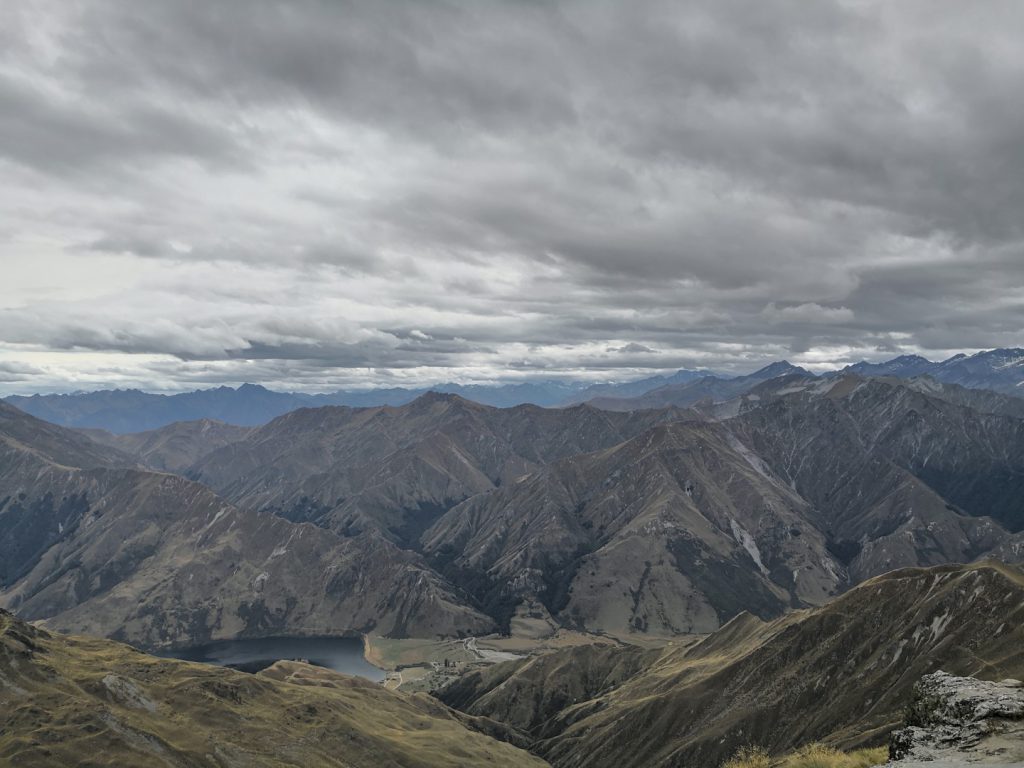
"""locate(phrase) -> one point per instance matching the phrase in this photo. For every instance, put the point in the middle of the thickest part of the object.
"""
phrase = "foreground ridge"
(85, 701)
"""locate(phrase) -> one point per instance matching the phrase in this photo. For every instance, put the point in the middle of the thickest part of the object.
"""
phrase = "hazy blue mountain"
(1001, 370)
(130, 410)
(640, 386)
(123, 411)
(903, 366)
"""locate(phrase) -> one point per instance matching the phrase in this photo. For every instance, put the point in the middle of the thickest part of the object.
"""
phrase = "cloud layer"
(317, 195)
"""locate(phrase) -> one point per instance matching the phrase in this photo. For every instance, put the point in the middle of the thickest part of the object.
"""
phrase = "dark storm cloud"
(475, 188)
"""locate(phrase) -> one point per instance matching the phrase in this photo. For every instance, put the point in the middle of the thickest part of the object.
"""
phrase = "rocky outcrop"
(961, 720)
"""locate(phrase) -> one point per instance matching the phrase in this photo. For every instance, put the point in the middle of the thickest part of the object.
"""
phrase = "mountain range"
(92, 543)
(122, 411)
(129, 411)
(771, 559)
(445, 517)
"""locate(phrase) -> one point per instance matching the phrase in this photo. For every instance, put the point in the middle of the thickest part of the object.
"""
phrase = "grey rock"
(961, 721)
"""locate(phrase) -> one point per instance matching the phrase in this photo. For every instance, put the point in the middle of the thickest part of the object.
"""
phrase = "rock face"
(961, 720)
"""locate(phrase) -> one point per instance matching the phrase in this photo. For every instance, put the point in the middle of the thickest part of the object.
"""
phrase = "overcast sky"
(318, 195)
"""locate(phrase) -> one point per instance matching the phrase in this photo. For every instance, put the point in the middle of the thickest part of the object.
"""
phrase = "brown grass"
(810, 756)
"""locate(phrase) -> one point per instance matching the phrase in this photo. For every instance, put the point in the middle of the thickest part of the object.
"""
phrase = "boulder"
(961, 721)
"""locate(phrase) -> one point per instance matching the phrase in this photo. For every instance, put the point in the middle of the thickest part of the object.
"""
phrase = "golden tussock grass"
(810, 756)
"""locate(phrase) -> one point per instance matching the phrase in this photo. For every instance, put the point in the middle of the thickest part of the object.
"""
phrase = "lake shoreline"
(336, 651)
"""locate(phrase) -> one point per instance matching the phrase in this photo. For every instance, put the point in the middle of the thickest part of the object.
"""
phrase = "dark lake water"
(342, 654)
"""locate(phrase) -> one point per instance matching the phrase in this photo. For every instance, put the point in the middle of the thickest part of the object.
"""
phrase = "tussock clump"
(810, 756)
(749, 757)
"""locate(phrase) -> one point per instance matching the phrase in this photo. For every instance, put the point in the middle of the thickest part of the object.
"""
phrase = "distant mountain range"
(123, 411)
(250, 405)
(1001, 370)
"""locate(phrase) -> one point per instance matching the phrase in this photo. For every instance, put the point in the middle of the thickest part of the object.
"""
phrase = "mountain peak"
(780, 368)
(433, 396)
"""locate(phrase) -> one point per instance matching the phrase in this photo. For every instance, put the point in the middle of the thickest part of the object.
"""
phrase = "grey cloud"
(16, 372)
(490, 188)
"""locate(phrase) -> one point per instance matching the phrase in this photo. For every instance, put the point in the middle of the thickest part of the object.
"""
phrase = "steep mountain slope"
(77, 701)
(674, 531)
(689, 393)
(840, 673)
(156, 559)
(398, 469)
(900, 477)
(33, 438)
(982, 400)
(173, 448)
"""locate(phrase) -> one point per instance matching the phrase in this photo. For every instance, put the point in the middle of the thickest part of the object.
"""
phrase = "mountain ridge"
(160, 560)
(132, 410)
(840, 673)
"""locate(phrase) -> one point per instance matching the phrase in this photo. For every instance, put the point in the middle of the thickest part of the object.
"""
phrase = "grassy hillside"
(80, 701)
